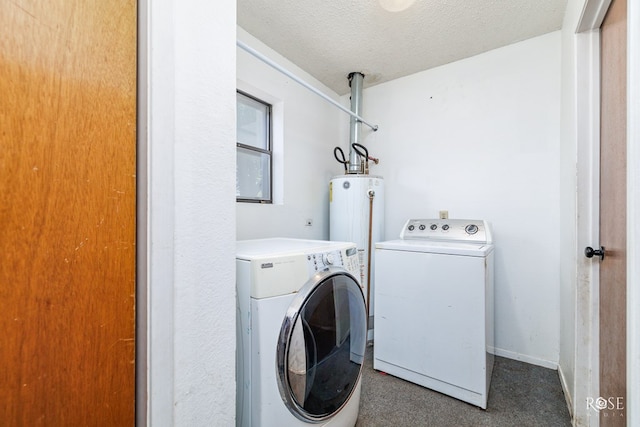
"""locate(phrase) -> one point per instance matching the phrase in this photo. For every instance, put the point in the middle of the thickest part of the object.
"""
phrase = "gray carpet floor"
(521, 395)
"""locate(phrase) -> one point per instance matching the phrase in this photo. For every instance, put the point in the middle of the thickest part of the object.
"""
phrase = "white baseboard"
(524, 358)
(567, 395)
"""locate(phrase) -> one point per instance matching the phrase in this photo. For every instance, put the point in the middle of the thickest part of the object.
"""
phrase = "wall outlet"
(444, 214)
(308, 222)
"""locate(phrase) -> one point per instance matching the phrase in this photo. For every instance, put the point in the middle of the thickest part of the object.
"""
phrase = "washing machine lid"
(321, 346)
(436, 247)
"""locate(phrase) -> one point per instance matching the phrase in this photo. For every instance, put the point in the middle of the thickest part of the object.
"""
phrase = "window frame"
(268, 151)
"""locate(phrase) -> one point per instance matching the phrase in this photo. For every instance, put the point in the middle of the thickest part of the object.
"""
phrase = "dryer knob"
(328, 259)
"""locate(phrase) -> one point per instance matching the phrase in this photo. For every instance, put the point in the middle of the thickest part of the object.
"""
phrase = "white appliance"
(434, 307)
(301, 333)
(356, 212)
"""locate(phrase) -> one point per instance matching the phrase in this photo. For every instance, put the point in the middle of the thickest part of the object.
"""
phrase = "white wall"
(480, 138)
(190, 154)
(303, 157)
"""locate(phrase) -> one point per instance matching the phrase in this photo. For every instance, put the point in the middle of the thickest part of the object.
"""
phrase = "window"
(253, 170)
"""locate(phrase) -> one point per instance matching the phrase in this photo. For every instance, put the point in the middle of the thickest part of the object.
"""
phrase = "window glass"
(253, 180)
(253, 122)
(253, 134)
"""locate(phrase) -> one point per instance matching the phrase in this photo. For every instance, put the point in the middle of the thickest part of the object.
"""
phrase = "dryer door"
(321, 346)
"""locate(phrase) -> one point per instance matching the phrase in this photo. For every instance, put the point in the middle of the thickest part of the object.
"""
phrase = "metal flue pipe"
(356, 81)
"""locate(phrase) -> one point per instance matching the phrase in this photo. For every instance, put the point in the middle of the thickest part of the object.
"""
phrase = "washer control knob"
(445, 227)
(433, 226)
(411, 227)
(328, 259)
(471, 229)
(422, 227)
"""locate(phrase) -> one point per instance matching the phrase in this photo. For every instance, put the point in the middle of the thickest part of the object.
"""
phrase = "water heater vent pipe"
(356, 81)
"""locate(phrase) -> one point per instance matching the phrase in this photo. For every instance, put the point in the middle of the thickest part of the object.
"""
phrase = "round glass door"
(321, 346)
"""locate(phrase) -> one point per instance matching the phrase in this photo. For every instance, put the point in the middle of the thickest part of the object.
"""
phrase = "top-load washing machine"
(434, 307)
(301, 333)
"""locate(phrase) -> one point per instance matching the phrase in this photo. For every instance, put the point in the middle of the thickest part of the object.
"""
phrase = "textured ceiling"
(331, 38)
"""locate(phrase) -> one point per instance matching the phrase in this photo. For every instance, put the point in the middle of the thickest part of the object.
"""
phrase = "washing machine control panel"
(473, 231)
(346, 258)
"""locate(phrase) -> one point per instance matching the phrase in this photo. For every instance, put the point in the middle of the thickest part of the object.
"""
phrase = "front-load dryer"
(301, 333)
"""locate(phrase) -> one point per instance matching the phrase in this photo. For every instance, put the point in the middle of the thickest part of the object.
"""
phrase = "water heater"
(356, 214)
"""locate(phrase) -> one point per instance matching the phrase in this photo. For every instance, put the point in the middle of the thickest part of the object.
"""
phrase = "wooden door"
(67, 212)
(613, 215)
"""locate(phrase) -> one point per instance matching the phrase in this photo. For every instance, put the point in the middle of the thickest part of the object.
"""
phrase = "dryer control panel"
(454, 230)
(346, 258)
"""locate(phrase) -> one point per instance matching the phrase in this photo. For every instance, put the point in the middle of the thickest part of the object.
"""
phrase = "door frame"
(587, 98)
(633, 212)
(588, 127)
(142, 235)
